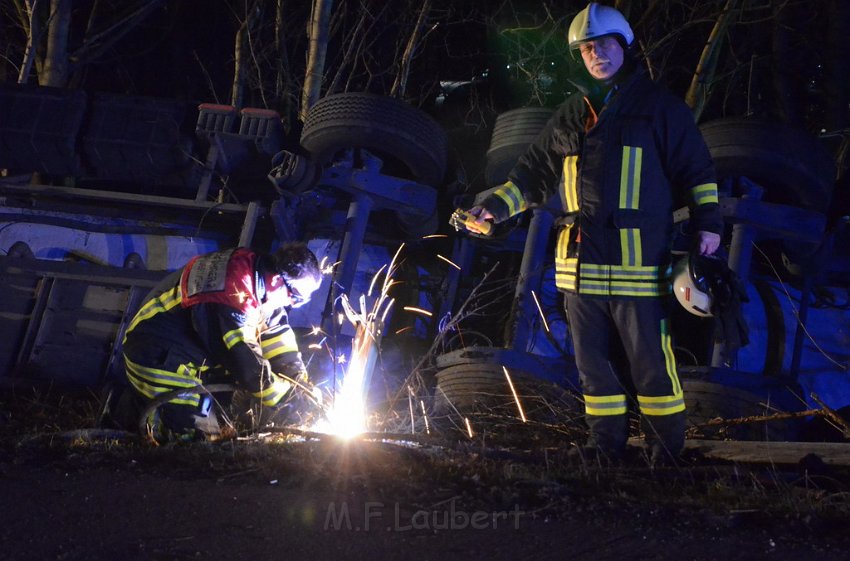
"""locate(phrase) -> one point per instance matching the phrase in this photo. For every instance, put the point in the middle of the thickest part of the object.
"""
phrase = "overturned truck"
(104, 195)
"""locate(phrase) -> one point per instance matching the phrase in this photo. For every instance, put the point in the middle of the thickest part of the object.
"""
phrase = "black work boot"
(608, 436)
(665, 438)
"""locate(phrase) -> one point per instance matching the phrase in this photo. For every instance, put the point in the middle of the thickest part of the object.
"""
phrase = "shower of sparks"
(516, 397)
(468, 427)
(347, 414)
(449, 261)
(539, 309)
(418, 311)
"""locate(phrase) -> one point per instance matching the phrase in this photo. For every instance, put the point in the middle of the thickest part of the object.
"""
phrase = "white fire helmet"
(595, 21)
(691, 286)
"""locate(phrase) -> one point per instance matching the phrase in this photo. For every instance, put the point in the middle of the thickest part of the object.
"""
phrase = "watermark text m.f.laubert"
(377, 516)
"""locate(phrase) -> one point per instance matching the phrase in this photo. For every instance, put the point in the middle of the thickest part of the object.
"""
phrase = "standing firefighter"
(223, 317)
(618, 154)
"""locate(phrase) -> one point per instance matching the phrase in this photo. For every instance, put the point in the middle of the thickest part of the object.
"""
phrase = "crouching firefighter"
(221, 319)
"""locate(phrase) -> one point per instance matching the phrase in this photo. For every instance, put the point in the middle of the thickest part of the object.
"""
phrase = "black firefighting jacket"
(619, 175)
(214, 305)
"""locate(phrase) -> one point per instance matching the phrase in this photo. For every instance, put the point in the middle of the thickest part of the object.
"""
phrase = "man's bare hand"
(708, 242)
(483, 220)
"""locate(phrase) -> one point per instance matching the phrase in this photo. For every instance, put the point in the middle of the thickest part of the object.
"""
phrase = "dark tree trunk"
(56, 64)
(836, 64)
(789, 63)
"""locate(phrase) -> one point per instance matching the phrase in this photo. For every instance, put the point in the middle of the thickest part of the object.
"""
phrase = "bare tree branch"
(318, 36)
(241, 48)
(284, 81)
(400, 84)
(33, 28)
(698, 92)
(353, 42)
(97, 44)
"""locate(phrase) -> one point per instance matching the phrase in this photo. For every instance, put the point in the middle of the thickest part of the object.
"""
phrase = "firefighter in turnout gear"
(619, 154)
(222, 318)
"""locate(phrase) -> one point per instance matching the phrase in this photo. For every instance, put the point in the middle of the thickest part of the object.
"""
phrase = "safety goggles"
(295, 297)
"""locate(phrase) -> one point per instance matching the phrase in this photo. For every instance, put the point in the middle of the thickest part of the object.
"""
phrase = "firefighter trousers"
(624, 355)
(155, 366)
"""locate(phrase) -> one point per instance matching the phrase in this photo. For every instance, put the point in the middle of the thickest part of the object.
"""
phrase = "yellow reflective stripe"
(185, 377)
(277, 345)
(512, 197)
(665, 404)
(569, 265)
(669, 357)
(565, 267)
(705, 193)
(565, 273)
(618, 280)
(661, 405)
(150, 391)
(232, 337)
(273, 393)
(161, 303)
(630, 177)
(239, 335)
(604, 405)
(630, 243)
(622, 289)
(570, 176)
(627, 246)
(625, 272)
(563, 242)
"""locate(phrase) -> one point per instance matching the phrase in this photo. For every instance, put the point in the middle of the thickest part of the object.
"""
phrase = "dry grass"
(506, 463)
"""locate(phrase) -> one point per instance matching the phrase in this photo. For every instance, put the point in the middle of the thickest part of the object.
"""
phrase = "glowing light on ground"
(346, 417)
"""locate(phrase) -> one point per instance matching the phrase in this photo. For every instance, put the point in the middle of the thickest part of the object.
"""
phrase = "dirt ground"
(89, 496)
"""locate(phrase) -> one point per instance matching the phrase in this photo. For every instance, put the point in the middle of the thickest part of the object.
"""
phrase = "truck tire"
(705, 401)
(513, 132)
(481, 387)
(790, 164)
(383, 125)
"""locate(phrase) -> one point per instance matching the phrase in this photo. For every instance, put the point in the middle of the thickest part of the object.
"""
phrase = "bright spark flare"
(425, 416)
(418, 311)
(410, 405)
(325, 268)
(539, 309)
(516, 397)
(347, 417)
(468, 427)
(449, 261)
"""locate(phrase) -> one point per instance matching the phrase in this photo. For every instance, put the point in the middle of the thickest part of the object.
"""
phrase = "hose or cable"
(174, 394)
